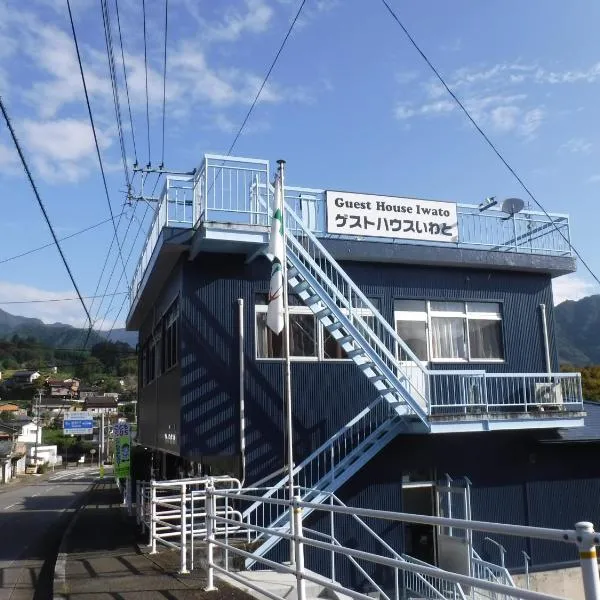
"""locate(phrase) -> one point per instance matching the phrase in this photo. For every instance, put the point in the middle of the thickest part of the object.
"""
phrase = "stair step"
(336, 326)
(377, 378)
(312, 300)
(345, 339)
(292, 272)
(355, 353)
(324, 312)
(303, 285)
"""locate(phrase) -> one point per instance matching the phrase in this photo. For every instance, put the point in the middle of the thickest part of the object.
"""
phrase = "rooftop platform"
(224, 206)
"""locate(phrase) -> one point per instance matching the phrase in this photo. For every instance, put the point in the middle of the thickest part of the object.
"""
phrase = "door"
(454, 544)
(420, 541)
(410, 318)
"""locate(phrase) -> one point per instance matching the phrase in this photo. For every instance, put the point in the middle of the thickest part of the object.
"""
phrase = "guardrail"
(234, 190)
(436, 582)
(461, 391)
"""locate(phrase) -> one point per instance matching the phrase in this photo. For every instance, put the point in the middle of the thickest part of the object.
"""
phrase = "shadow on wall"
(210, 417)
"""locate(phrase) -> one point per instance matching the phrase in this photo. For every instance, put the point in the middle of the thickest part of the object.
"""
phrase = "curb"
(60, 567)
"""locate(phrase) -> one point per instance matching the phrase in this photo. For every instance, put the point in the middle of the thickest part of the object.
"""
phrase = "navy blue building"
(422, 343)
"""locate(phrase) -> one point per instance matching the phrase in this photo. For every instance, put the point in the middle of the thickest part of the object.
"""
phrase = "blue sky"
(350, 105)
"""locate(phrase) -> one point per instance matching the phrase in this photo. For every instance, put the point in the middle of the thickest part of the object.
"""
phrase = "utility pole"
(37, 427)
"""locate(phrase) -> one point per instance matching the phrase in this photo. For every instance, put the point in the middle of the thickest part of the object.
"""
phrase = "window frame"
(464, 314)
(293, 310)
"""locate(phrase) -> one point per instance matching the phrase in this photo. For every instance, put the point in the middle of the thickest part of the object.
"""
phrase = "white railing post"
(152, 542)
(137, 502)
(299, 549)
(332, 533)
(183, 538)
(210, 536)
(192, 529)
(588, 561)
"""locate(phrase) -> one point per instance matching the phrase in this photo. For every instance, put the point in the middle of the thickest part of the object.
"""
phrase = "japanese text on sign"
(383, 216)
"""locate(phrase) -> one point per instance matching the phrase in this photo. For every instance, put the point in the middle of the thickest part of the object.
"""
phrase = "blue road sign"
(78, 423)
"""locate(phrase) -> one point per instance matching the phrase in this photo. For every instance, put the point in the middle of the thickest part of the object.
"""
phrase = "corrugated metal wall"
(327, 395)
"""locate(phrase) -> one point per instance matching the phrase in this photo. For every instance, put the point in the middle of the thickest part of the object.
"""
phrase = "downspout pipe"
(546, 339)
(241, 391)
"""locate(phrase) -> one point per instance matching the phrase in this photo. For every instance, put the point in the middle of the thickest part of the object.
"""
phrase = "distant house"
(62, 388)
(24, 377)
(57, 405)
(28, 431)
(12, 408)
(87, 391)
(101, 404)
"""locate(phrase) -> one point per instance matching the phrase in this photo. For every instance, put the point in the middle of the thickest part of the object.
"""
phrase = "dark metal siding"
(159, 404)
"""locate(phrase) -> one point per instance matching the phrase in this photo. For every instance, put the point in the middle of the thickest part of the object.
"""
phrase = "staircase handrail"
(324, 446)
(396, 555)
(354, 319)
(375, 313)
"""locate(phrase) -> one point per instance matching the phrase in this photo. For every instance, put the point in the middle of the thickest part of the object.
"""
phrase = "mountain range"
(59, 335)
(578, 331)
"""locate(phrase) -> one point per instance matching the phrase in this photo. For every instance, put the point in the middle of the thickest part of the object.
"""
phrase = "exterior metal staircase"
(397, 375)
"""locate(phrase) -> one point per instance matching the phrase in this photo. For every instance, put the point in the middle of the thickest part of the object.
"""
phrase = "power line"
(45, 300)
(67, 237)
(262, 85)
(87, 99)
(43, 209)
(126, 84)
(162, 162)
(146, 69)
(489, 142)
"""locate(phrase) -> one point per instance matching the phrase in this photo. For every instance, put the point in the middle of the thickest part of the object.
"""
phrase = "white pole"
(101, 457)
(210, 536)
(287, 369)
(588, 561)
(242, 379)
(300, 581)
(546, 339)
(152, 517)
(183, 539)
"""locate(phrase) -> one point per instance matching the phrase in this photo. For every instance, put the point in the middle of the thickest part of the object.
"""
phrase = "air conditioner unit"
(549, 395)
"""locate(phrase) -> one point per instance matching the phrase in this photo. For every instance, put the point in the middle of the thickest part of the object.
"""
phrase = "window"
(451, 331)
(170, 348)
(303, 335)
(331, 350)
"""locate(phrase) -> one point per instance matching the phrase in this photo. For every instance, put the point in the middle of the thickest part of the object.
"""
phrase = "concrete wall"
(562, 582)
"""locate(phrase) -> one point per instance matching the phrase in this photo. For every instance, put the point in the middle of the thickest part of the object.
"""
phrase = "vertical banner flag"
(276, 254)
(122, 450)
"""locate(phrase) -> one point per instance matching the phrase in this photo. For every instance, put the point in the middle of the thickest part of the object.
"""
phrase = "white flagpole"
(287, 368)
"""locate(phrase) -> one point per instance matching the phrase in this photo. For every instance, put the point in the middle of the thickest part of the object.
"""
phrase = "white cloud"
(594, 179)
(255, 19)
(589, 75)
(531, 122)
(9, 159)
(572, 287)
(62, 149)
(69, 312)
(505, 118)
(577, 146)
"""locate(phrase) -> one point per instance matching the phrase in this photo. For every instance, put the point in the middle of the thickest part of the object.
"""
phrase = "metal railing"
(433, 581)
(322, 469)
(226, 190)
(173, 510)
(175, 208)
(466, 392)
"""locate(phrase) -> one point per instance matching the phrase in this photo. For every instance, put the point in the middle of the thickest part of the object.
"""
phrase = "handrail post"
(152, 542)
(588, 561)
(332, 532)
(210, 536)
(183, 537)
(299, 550)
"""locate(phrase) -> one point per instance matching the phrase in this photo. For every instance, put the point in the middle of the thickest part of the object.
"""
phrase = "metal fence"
(180, 513)
(236, 190)
(420, 579)
(461, 391)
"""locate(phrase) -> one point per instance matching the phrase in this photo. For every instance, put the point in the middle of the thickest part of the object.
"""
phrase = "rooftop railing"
(234, 190)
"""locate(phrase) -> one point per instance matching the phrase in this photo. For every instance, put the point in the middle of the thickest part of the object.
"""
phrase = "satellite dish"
(512, 206)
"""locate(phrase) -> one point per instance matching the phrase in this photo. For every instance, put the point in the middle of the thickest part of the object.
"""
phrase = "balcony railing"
(475, 392)
(233, 190)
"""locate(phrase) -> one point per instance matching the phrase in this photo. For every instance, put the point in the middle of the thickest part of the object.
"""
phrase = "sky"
(350, 105)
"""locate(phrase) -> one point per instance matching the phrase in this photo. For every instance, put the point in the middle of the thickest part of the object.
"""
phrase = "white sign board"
(78, 423)
(385, 216)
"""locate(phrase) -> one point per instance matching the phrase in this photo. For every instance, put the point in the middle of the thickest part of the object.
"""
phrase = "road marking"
(10, 505)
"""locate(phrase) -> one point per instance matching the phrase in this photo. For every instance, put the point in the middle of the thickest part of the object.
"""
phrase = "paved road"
(32, 520)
